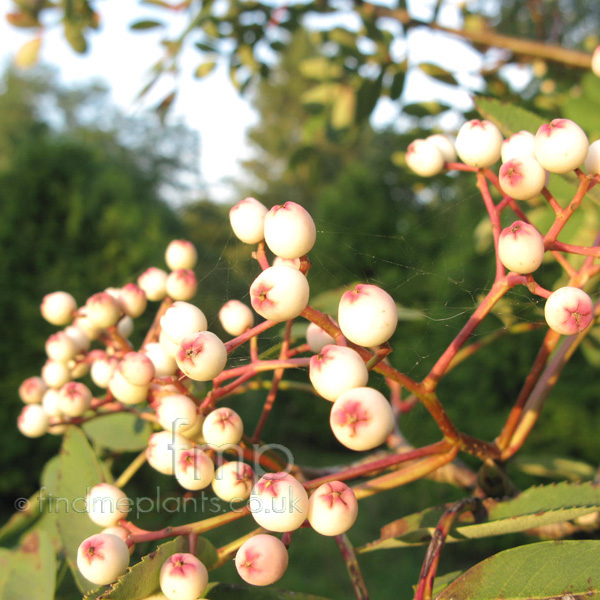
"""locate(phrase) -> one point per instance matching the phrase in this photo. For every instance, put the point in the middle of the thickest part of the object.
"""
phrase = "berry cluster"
(559, 147)
(93, 369)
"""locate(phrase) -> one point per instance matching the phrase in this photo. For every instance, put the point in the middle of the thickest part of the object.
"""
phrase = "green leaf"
(78, 471)
(320, 68)
(31, 569)
(554, 466)
(223, 591)
(74, 35)
(123, 432)
(142, 579)
(397, 85)
(537, 506)
(205, 69)
(443, 581)
(424, 109)
(509, 118)
(324, 93)
(438, 73)
(545, 571)
(367, 96)
(146, 24)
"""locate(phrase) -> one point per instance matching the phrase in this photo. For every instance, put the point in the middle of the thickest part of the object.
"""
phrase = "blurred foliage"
(363, 50)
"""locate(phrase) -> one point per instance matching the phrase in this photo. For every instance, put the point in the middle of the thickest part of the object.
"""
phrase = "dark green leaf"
(566, 570)
(146, 24)
(397, 85)
(438, 73)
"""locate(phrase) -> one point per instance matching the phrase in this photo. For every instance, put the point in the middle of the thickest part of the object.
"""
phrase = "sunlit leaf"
(122, 432)
(544, 571)
(28, 53)
(320, 68)
(204, 69)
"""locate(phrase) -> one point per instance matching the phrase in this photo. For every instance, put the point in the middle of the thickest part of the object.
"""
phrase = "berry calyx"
(102, 558)
(183, 577)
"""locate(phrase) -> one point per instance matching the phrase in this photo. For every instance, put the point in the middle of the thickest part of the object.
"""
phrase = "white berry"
(335, 370)
(58, 308)
(181, 254)
(235, 317)
(261, 560)
(561, 146)
(569, 310)
(102, 558)
(424, 158)
(361, 418)
(522, 178)
(333, 508)
(289, 230)
(106, 504)
(247, 219)
(521, 247)
(183, 577)
(279, 293)
(367, 315)
(479, 143)
(222, 427)
(201, 356)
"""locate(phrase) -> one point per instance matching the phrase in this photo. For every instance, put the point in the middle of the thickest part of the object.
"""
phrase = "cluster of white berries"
(189, 443)
(558, 147)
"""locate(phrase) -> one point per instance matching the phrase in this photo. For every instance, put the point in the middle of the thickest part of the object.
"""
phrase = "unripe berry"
(181, 284)
(444, 144)
(102, 558)
(106, 504)
(50, 402)
(233, 481)
(163, 450)
(479, 143)
(202, 356)
(279, 502)
(176, 412)
(247, 220)
(424, 158)
(279, 293)
(126, 392)
(522, 178)
(181, 319)
(58, 308)
(261, 560)
(87, 327)
(569, 310)
(32, 390)
(332, 509)
(560, 146)
(517, 145)
(592, 161)
(596, 62)
(289, 230)
(335, 370)
(102, 370)
(164, 364)
(367, 315)
(137, 368)
(317, 338)
(132, 299)
(74, 398)
(181, 254)
(154, 283)
(194, 469)
(103, 310)
(361, 419)
(222, 427)
(60, 347)
(79, 338)
(521, 248)
(33, 420)
(183, 577)
(55, 374)
(235, 317)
